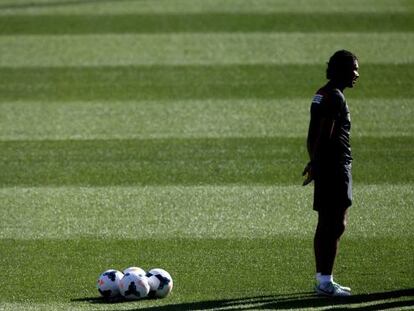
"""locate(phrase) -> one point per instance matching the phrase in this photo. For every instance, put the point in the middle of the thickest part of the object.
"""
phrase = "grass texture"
(192, 82)
(210, 49)
(172, 134)
(212, 22)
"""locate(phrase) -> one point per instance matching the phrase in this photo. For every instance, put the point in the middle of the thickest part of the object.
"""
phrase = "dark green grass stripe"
(73, 267)
(190, 161)
(51, 4)
(212, 22)
(194, 82)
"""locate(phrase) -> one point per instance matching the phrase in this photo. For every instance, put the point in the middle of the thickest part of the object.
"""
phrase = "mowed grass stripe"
(181, 211)
(200, 6)
(202, 49)
(192, 119)
(163, 119)
(194, 82)
(278, 258)
(205, 22)
(204, 212)
(260, 161)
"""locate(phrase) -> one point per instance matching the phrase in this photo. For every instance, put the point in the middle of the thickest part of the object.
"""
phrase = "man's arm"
(324, 132)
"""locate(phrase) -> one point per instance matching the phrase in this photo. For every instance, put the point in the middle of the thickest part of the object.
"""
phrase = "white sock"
(323, 278)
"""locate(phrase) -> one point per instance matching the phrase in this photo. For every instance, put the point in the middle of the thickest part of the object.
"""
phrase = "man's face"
(352, 75)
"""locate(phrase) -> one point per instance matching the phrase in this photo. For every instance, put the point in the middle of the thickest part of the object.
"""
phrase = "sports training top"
(329, 103)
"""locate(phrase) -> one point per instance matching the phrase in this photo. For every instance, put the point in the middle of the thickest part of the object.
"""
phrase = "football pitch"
(171, 134)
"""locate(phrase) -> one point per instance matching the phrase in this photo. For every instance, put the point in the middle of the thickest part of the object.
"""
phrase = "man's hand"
(308, 173)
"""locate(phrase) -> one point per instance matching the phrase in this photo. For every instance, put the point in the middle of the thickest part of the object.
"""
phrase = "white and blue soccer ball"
(108, 283)
(160, 282)
(136, 270)
(133, 286)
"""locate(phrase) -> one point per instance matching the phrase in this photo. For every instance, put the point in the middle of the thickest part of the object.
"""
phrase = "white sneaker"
(345, 288)
(332, 289)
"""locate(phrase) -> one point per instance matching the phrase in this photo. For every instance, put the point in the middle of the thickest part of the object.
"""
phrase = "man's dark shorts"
(333, 187)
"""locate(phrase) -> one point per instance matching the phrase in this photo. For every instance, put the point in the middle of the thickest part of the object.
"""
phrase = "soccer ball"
(133, 286)
(108, 283)
(160, 282)
(136, 270)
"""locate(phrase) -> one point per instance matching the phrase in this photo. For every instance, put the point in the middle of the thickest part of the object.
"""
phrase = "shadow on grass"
(362, 302)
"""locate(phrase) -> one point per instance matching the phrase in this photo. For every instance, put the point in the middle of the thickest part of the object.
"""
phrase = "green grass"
(253, 161)
(60, 235)
(255, 257)
(171, 133)
(219, 22)
(210, 211)
(209, 118)
(200, 6)
(193, 82)
(201, 49)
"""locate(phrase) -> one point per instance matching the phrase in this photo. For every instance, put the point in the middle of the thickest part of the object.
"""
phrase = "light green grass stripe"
(198, 6)
(155, 119)
(154, 212)
(192, 119)
(202, 49)
(194, 212)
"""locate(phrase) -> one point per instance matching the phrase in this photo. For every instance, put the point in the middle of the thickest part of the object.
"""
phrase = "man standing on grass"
(330, 166)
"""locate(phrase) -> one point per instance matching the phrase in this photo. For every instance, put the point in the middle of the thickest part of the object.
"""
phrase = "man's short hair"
(339, 62)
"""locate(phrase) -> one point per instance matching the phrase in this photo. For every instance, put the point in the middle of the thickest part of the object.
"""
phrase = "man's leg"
(331, 225)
